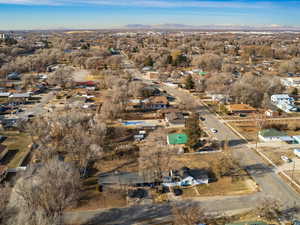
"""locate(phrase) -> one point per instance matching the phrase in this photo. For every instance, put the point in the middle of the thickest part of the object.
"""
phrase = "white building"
(4, 36)
(291, 81)
(284, 102)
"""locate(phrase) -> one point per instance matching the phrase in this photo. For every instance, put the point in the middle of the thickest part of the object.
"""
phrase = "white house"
(284, 102)
(291, 81)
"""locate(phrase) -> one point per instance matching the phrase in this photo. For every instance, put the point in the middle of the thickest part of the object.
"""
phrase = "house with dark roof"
(156, 102)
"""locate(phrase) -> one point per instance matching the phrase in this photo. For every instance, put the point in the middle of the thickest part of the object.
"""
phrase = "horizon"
(116, 14)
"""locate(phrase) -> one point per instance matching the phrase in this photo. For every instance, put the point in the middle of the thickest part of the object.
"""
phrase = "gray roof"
(176, 117)
(125, 178)
(20, 95)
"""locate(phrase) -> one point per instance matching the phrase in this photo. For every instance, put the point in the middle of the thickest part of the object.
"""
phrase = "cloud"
(148, 3)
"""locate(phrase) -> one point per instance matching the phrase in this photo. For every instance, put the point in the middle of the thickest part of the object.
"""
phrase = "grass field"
(17, 144)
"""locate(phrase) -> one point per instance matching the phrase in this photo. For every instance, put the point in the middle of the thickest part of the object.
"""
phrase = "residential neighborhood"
(149, 126)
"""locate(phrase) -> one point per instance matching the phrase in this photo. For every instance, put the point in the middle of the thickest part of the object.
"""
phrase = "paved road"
(270, 183)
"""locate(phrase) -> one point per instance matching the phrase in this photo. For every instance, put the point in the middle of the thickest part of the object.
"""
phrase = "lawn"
(92, 199)
(228, 187)
(247, 129)
(274, 154)
(18, 145)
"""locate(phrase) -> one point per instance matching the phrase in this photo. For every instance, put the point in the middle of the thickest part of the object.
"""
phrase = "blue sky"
(52, 14)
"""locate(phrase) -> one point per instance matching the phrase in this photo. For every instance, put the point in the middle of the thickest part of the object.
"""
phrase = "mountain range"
(213, 27)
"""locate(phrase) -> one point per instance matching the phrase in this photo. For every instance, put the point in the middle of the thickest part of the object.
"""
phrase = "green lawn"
(17, 144)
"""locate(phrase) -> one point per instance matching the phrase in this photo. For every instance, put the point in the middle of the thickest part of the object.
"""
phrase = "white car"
(213, 130)
(285, 158)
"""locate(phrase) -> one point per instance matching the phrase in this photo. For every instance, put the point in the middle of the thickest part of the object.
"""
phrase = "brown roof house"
(156, 102)
(240, 108)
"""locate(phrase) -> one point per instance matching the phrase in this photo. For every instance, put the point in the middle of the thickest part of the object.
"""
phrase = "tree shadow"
(130, 215)
(236, 142)
(258, 169)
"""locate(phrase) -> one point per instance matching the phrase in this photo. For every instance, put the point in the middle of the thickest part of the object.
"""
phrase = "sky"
(98, 14)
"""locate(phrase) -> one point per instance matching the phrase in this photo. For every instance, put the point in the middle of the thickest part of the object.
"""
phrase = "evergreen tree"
(189, 82)
(193, 130)
(148, 61)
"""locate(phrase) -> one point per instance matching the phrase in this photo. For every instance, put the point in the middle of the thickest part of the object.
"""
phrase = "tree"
(148, 61)
(191, 214)
(189, 82)
(193, 130)
(226, 166)
(294, 91)
(155, 157)
(5, 191)
(42, 194)
(260, 122)
(269, 208)
(62, 77)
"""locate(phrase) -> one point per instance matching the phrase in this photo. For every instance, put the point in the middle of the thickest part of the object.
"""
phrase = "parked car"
(202, 118)
(285, 159)
(178, 191)
(213, 130)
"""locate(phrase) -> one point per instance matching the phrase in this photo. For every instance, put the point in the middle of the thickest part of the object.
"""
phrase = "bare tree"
(42, 194)
(260, 122)
(5, 191)
(191, 214)
(155, 156)
(269, 208)
(62, 77)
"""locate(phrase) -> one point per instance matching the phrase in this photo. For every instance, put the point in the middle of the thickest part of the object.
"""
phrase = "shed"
(177, 139)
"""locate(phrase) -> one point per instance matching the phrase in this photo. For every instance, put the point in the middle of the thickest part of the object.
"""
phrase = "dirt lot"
(274, 154)
(247, 129)
(93, 199)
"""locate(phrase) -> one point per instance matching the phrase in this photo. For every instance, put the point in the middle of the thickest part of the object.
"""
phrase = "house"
(240, 108)
(125, 178)
(151, 75)
(155, 102)
(175, 119)
(271, 113)
(4, 94)
(284, 102)
(20, 95)
(269, 135)
(217, 97)
(89, 83)
(14, 76)
(177, 139)
(291, 81)
(186, 177)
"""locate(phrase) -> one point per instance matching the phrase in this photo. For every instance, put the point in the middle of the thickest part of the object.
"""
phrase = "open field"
(274, 154)
(17, 144)
(223, 187)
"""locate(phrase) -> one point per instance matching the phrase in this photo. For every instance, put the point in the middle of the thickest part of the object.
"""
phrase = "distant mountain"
(273, 27)
(138, 26)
